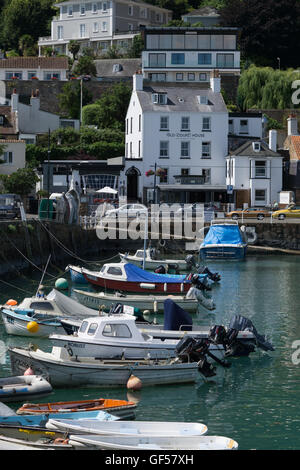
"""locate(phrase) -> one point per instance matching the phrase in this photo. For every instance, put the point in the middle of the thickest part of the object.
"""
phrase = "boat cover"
(223, 235)
(136, 274)
(175, 316)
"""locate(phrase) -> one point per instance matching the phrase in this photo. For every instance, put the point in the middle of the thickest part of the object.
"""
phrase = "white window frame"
(94, 8)
(185, 149)
(96, 27)
(60, 32)
(130, 10)
(206, 150)
(164, 119)
(70, 10)
(7, 157)
(82, 9)
(104, 7)
(185, 123)
(104, 26)
(164, 149)
(82, 30)
(206, 128)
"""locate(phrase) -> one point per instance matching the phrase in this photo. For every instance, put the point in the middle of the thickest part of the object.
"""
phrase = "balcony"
(192, 179)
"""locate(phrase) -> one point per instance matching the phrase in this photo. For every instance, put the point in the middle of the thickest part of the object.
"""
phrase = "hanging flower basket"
(160, 172)
(149, 173)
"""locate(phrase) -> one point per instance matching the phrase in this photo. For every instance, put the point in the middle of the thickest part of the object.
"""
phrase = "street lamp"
(278, 58)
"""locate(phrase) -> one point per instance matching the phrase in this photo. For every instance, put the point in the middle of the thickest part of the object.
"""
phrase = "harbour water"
(256, 401)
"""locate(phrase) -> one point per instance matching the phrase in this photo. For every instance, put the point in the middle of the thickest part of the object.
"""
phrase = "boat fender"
(69, 350)
(162, 243)
(147, 286)
(134, 383)
(165, 287)
(181, 287)
(29, 371)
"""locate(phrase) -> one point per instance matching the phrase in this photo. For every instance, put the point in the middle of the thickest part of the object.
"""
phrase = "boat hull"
(76, 275)
(65, 373)
(223, 252)
(13, 389)
(142, 302)
(15, 325)
(138, 287)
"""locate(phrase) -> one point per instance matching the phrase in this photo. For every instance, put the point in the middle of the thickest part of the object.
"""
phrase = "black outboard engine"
(160, 269)
(198, 283)
(213, 276)
(239, 323)
(191, 262)
(189, 349)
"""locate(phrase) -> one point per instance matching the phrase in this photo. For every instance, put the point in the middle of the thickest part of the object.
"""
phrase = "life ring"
(69, 351)
(162, 243)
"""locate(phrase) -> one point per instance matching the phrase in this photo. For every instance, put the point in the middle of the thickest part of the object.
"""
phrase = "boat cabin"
(111, 326)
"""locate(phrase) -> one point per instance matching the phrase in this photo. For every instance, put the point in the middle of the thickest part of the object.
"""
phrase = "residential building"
(254, 171)
(26, 121)
(189, 55)
(184, 131)
(244, 126)
(205, 16)
(292, 146)
(101, 24)
(34, 68)
(13, 157)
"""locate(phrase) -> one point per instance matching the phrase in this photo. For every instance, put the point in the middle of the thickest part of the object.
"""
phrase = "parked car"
(10, 206)
(258, 213)
(127, 210)
(290, 211)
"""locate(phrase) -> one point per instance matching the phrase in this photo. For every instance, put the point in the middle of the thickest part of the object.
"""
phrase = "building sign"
(229, 189)
(185, 135)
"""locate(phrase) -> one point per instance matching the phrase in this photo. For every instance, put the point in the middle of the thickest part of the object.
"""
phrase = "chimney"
(14, 100)
(35, 100)
(138, 81)
(292, 124)
(215, 81)
(273, 140)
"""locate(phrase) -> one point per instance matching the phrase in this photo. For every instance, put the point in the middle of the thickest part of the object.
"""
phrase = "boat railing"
(225, 222)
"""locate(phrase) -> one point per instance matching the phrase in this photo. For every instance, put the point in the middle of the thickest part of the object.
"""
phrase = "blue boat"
(224, 240)
(76, 275)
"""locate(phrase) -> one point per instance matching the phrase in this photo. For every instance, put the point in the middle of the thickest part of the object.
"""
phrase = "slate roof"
(105, 67)
(246, 150)
(205, 12)
(50, 63)
(182, 99)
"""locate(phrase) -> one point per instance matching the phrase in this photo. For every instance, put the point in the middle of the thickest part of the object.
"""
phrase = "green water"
(256, 402)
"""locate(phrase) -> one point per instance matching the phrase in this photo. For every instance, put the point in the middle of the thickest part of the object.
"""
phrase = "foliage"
(272, 123)
(136, 48)
(74, 47)
(110, 110)
(26, 42)
(20, 182)
(269, 29)
(112, 52)
(266, 88)
(85, 66)
(20, 17)
(69, 99)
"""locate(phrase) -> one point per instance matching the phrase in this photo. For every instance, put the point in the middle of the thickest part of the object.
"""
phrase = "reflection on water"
(256, 400)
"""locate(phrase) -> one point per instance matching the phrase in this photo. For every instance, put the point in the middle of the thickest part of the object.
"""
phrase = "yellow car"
(290, 211)
(251, 212)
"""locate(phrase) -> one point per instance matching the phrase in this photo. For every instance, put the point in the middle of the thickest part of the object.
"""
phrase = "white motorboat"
(128, 428)
(22, 387)
(155, 443)
(55, 303)
(193, 301)
(118, 336)
(152, 260)
(28, 323)
(65, 371)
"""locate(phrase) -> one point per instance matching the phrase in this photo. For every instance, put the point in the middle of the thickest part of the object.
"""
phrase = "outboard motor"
(239, 323)
(198, 283)
(213, 276)
(191, 262)
(173, 268)
(160, 269)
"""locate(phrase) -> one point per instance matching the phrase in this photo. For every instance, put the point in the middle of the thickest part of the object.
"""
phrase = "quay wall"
(25, 246)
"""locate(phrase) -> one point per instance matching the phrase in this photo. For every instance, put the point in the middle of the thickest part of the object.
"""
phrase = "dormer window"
(256, 146)
(203, 99)
(159, 98)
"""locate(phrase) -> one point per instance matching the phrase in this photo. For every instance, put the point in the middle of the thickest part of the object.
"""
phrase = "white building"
(101, 24)
(13, 156)
(183, 130)
(34, 68)
(254, 171)
(190, 54)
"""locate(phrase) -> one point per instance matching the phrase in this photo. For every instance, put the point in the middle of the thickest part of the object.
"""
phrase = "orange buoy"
(134, 383)
(29, 371)
(11, 302)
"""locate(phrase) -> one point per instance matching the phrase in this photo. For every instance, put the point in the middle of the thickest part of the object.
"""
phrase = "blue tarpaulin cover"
(136, 274)
(175, 316)
(223, 235)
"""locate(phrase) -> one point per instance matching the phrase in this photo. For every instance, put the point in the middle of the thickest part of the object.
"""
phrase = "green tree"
(110, 110)
(20, 182)
(74, 48)
(85, 66)
(69, 99)
(21, 17)
(25, 42)
(136, 48)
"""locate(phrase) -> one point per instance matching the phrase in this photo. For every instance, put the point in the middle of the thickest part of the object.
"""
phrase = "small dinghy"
(128, 428)
(23, 386)
(155, 443)
(28, 323)
(120, 408)
(26, 438)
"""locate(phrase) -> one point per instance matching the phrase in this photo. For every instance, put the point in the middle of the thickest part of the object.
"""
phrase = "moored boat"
(18, 388)
(155, 443)
(150, 260)
(76, 274)
(125, 428)
(120, 408)
(28, 323)
(224, 240)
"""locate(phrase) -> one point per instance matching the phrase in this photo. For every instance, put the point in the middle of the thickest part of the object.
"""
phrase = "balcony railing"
(192, 179)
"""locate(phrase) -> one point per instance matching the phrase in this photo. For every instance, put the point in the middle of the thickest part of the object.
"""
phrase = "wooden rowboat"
(118, 407)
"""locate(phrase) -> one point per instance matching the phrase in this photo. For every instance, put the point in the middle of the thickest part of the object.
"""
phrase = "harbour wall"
(27, 246)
